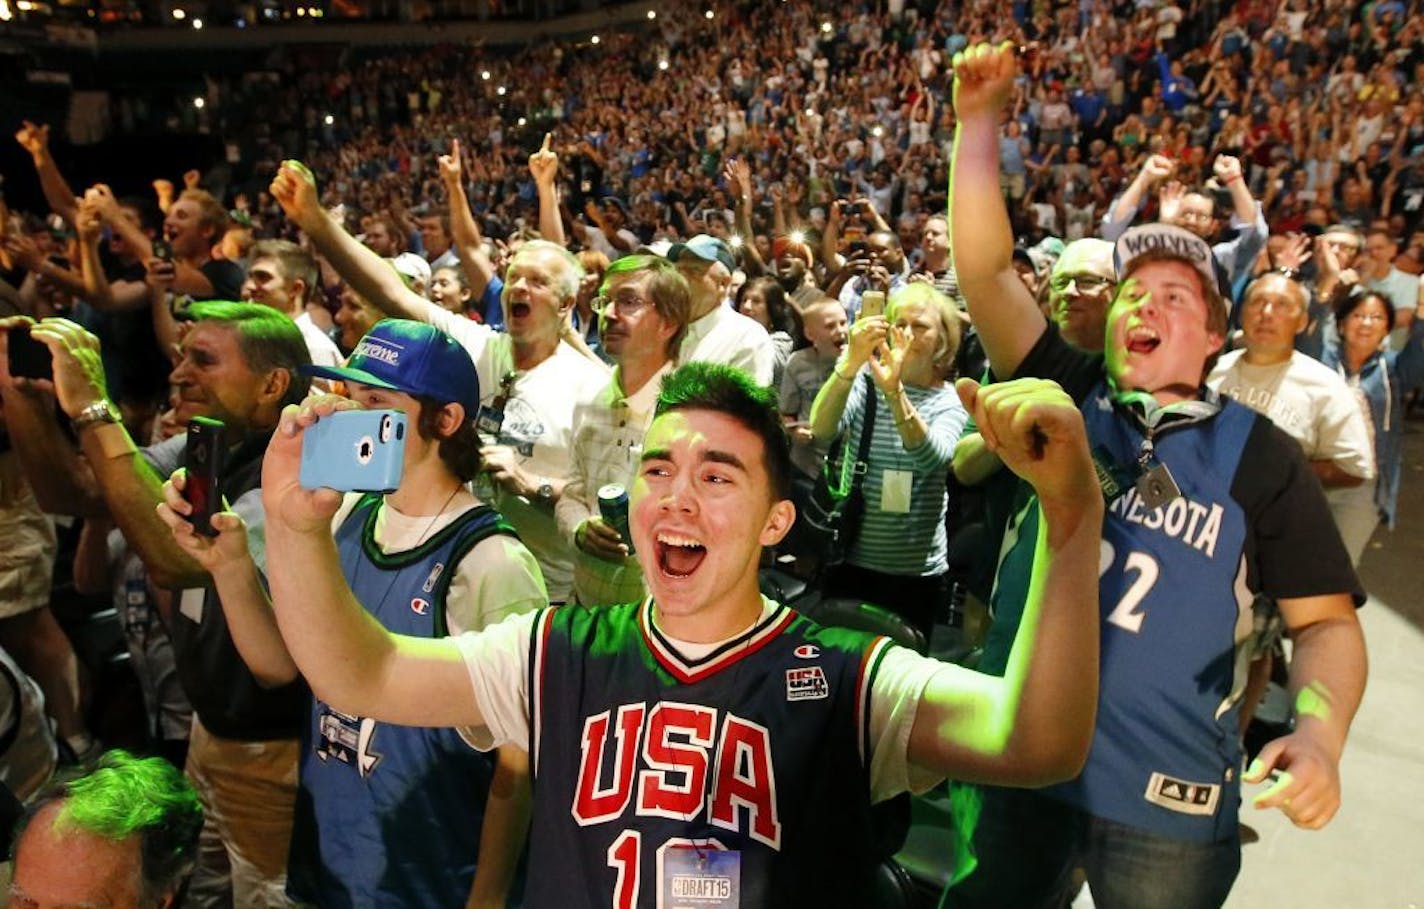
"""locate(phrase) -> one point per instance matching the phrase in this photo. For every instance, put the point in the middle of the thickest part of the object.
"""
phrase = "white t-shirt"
(496, 579)
(498, 664)
(538, 424)
(1307, 399)
(322, 349)
(726, 336)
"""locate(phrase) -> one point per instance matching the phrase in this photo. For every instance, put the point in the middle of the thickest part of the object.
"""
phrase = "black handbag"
(833, 514)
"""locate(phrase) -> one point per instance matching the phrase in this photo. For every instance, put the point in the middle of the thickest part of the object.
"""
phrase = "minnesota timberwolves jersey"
(639, 756)
(1176, 611)
(390, 815)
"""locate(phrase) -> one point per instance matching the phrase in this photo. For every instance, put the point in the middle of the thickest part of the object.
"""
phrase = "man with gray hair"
(531, 381)
(717, 333)
(124, 835)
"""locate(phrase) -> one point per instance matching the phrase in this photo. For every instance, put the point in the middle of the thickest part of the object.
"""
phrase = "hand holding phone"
(354, 451)
(872, 303)
(162, 249)
(203, 462)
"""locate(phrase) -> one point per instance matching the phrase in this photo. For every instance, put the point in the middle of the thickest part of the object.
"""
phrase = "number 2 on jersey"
(1125, 614)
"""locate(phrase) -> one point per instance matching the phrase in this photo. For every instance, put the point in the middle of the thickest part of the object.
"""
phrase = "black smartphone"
(857, 249)
(29, 359)
(203, 461)
(162, 249)
(1312, 230)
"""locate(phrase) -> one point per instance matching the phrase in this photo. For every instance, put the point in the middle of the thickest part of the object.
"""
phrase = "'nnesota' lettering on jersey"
(760, 747)
(1175, 608)
(390, 815)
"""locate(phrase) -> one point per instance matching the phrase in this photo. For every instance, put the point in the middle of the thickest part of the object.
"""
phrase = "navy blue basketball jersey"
(390, 815)
(761, 747)
(1176, 610)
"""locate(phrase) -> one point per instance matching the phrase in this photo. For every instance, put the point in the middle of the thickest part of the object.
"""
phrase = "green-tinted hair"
(267, 339)
(125, 796)
(731, 392)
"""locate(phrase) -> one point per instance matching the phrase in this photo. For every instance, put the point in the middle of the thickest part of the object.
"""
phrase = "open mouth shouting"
(678, 556)
(1142, 340)
(518, 310)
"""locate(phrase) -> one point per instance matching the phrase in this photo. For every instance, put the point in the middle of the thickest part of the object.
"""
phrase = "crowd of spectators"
(793, 162)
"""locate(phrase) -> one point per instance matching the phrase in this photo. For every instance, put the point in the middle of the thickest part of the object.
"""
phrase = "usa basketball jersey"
(761, 747)
(1176, 610)
(390, 815)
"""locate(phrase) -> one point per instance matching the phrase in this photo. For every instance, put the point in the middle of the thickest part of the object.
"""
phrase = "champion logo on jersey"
(807, 684)
(807, 651)
(419, 606)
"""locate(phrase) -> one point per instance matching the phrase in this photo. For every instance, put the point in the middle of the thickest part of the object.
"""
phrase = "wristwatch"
(100, 411)
(545, 492)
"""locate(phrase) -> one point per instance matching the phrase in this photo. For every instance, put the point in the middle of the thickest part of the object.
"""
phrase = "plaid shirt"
(607, 443)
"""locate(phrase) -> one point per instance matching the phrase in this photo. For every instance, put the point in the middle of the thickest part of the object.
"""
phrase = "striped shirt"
(893, 540)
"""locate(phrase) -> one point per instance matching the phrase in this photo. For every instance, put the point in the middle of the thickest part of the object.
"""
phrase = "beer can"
(613, 508)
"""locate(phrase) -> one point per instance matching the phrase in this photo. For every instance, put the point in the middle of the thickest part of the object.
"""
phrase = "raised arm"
(1124, 210)
(347, 657)
(61, 480)
(35, 140)
(865, 336)
(469, 245)
(369, 275)
(1033, 726)
(97, 289)
(130, 487)
(739, 182)
(1003, 310)
(544, 167)
(1228, 172)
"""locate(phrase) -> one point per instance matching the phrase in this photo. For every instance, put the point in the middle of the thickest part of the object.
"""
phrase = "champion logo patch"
(808, 684)
(419, 606)
(807, 651)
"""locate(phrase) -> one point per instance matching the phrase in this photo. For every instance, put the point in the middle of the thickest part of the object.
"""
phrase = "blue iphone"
(355, 451)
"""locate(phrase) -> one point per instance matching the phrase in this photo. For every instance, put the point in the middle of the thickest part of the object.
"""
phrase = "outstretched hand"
(984, 79)
(1036, 429)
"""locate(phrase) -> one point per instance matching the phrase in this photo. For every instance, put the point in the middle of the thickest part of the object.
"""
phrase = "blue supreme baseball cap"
(411, 357)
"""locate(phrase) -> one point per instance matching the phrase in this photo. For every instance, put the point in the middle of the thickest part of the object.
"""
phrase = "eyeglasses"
(1201, 217)
(1367, 317)
(1084, 284)
(627, 305)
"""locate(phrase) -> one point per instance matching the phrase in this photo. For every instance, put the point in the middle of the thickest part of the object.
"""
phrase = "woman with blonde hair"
(905, 359)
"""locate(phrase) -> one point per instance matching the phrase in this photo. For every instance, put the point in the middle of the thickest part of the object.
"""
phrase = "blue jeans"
(1028, 844)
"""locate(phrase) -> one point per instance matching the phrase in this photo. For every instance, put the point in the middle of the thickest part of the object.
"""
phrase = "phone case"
(203, 458)
(355, 451)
